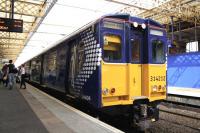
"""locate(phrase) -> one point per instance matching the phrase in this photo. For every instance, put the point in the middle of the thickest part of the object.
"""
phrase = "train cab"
(133, 66)
(133, 61)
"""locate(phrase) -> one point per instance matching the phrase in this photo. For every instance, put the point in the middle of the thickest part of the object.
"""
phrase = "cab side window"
(135, 50)
(112, 47)
(158, 54)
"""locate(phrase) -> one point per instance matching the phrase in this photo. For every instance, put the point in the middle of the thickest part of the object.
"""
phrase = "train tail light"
(112, 91)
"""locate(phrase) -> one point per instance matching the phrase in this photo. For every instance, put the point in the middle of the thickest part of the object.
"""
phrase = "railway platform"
(33, 111)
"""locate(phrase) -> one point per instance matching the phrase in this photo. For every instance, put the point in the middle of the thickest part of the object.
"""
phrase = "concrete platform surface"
(59, 117)
(16, 116)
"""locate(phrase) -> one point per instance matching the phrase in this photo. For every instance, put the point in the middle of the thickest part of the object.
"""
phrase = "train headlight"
(154, 88)
(144, 26)
(105, 91)
(135, 24)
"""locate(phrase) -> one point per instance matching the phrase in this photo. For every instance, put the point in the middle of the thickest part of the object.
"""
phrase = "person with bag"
(5, 75)
(11, 74)
(23, 76)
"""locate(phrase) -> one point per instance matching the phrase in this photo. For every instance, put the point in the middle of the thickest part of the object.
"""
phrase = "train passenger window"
(158, 54)
(135, 50)
(112, 47)
(36, 69)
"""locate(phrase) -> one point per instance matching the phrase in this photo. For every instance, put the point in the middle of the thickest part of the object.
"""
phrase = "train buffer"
(33, 111)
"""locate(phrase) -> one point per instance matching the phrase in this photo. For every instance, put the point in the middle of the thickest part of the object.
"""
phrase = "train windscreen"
(158, 54)
(135, 49)
(112, 47)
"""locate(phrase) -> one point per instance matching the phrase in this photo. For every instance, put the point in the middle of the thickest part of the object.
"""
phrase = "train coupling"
(144, 115)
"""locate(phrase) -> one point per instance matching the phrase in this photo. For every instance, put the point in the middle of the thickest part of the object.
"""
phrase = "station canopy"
(46, 22)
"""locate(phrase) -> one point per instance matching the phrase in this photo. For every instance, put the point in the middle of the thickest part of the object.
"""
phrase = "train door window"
(81, 57)
(112, 47)
(72, 66)
(158, 55)
(77, 60)
(135, 50)
(36, 69)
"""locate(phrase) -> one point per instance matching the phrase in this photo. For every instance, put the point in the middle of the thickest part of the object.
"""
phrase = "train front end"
(133, 66)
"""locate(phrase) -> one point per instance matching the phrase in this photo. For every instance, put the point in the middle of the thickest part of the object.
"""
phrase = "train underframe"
(143, 113)
(140, 114)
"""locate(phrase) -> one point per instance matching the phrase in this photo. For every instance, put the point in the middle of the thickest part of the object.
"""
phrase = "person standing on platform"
(23, 76)
(11, 74)
(5, 75)
(1, 76)
(18, 76)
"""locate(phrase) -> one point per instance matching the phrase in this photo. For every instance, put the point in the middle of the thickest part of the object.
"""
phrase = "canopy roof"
(48, 21)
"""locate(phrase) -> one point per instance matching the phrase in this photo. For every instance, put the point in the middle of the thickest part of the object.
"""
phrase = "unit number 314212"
(157, 78)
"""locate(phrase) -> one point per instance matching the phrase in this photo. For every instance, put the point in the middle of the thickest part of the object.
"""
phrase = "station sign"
(11, 25)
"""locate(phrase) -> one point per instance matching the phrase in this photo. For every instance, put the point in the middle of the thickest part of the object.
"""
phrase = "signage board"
(11, 25)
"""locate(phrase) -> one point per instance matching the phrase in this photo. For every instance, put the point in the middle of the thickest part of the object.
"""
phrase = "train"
(116, 64)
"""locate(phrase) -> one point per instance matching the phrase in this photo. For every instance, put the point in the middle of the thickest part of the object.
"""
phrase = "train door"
(134, 66)
(76, 61)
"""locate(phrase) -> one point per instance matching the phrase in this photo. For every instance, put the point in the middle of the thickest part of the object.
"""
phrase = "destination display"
(11, 25)
(113, 25)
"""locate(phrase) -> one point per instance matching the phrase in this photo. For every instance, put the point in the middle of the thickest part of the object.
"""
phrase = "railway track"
(179, 114)
(182, 124)
(180, 118)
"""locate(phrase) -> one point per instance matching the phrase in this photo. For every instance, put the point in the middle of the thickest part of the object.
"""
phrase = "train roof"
(125, 17)
(129, 18)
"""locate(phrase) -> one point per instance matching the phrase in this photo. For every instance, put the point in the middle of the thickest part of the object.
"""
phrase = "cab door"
(134, 66)
(113, 65)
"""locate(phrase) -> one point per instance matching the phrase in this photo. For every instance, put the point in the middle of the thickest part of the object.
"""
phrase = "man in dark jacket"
(11, 74)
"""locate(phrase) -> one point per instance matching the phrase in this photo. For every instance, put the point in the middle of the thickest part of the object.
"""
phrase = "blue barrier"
(183, 70)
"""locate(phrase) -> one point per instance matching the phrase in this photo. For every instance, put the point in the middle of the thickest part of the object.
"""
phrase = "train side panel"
(85, 56)
(54, 68)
